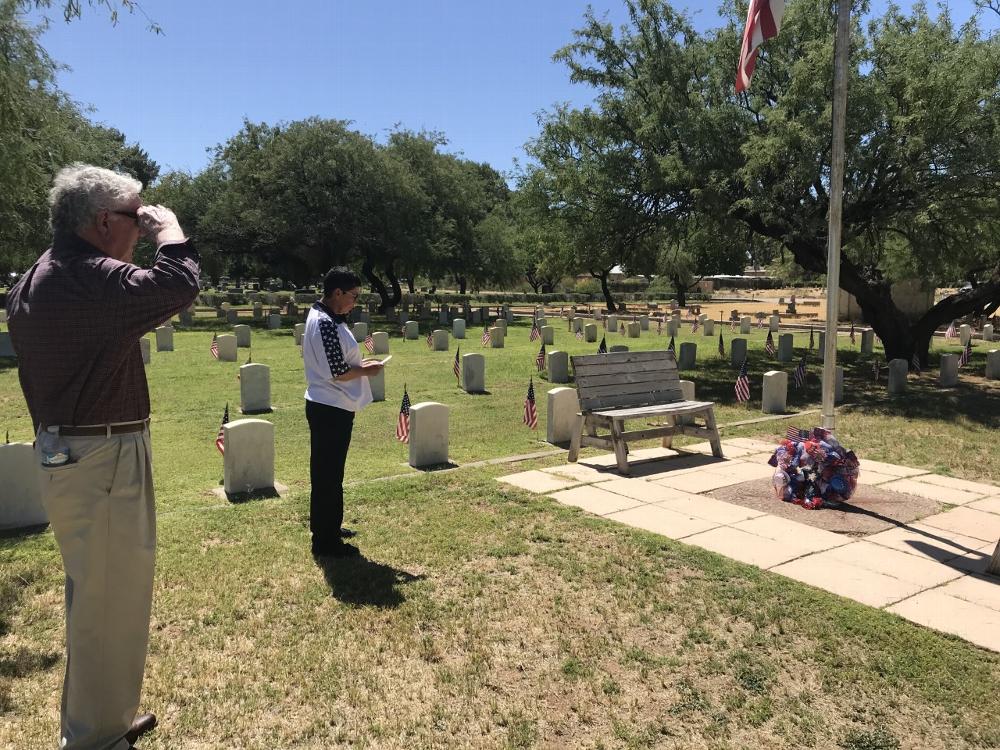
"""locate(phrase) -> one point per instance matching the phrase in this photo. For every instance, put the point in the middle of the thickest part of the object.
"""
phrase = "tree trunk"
(397, 293)
(409, 284)
(681, 288)
(609, 300)
(533, 281)
(461, 284)
(378, 286)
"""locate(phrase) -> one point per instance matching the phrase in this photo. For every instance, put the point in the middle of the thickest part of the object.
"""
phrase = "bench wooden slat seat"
(618, 386)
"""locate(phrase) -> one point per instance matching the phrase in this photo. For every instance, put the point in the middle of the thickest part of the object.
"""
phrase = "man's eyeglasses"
(133, 215)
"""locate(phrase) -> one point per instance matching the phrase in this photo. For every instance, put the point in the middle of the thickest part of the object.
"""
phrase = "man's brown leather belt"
(97, 430)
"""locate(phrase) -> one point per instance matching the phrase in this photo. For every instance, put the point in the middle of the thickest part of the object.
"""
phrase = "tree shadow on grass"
(361, 582)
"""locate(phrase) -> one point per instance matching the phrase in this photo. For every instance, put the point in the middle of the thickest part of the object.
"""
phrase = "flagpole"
(836, 205)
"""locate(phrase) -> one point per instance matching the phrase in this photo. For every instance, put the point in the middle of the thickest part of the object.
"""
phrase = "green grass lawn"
(483, 616)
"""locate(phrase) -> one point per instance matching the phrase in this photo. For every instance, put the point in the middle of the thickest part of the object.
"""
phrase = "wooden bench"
(620, 386)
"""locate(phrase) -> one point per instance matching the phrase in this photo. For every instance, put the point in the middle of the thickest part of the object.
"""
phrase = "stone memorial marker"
(993, 364)
(428, 434)
(948, 375)
(227, 347)
(293, 309)
(186, 318)
(548, 335)
(476, 318)
(164, 339)
(590, 332)
(440, 340)
(248, 463)
(458, 328)
(644, 322)
(673, 326)
(402, 317)
(775, 392)
(381, 341)
(274, 321)
(496, 337)
(687, 391)
(360, 331)
(443, 316)
(255, 388)
(144, 348)
(774, 323)
(579, 324)
(21, 500)
(558, 366)
(687, 356)
(633, 329)
(258, 311)
(868, 341)
(377, 384)
(411, 330)
(473, 373)
(897, 376)
(745, 323)
(242, 333)
(561, 415)
(618, 348)
(501, 323)
(737, 352)
(364, 317)
(298, 331)
(708, 328)
(965, 333)
(541, 322)
(987, 332)
(785, 349)
(232, 317)
(612, 324)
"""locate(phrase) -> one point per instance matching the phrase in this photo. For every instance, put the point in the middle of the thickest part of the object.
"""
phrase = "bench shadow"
(24, 531)
(361, 582)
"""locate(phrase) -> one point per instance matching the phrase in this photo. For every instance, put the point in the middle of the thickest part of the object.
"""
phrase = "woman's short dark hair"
(340, 277)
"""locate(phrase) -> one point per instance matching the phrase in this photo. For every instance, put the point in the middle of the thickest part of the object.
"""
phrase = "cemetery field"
(483, 616)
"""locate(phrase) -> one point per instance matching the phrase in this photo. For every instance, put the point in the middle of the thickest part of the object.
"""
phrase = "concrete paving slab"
(874, 477)
(647, 454)
(837, 577)
(699, 481)
(662, 521)
(989, 504)
(977, 524)
(976, 488)
(746, 547)
(594, 500)
(640, 489)
(798, 534)
(974, 561)
(708, 508)
(729, 450)
(754, 445)
(746, 470)
(537, 481)
(981, 590)
(926, 542)
(891, 562)
(932, 491)
(973, 622)
(580, 472)
(890, 469)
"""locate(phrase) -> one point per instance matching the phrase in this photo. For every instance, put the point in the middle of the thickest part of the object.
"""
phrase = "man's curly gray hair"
(79, 191)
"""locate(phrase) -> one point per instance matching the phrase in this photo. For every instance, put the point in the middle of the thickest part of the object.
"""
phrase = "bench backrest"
(626, 379)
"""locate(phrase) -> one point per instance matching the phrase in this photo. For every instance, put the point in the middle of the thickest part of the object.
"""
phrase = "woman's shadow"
(360, 582)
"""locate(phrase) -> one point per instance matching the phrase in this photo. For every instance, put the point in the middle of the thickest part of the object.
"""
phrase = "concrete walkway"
(931, 571)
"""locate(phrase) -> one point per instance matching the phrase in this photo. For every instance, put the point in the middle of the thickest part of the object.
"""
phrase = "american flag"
(621, 327)
(966, 354)
(370, 343)
(486, 337)
(604, 320)
(812, 341)
(220, 438)
(530, 412)
(763, 22)
(915, 363)
(535, 333)
(743, 384)
(796, 434)
(876, 368)
(951, 333)
(671, 347)
(659, 327)
(800, 373)
(603, 348)
(769, 344)
(722, 347)
(732, 326)
(430, 340)
(214, 348)
(579, 334)
(760, 322)
(540, 358)
(403, 421)
(694, 326)
(853, 339)
(457, 368)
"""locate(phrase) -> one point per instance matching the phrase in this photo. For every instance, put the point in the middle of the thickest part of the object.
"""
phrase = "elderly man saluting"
(75, 321)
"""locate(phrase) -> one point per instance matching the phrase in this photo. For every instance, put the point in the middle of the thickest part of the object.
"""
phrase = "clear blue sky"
(478, 71)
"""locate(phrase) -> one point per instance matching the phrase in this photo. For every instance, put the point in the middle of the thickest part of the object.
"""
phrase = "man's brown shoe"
(140, 725)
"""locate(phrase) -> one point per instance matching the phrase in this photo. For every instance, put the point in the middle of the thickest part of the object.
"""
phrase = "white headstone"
(227, 347)
(258, 311)
(687, 356)
(440, 340)
(633, 329)
(164, 339)
(965, 333)
(232, 316)
(590, 332)
(360, 331)
(785, 350)
(774, 323)
(897, 375)
(381, 341)
(540, 321)
(708, 329)
(687, 391)
(948, 375)
(186, 318)
(548, 335)
(775, 392)
(579, 324)
(737, 352)
(745, 323)
(563, 406)
(496, 337)
(428, 434)
(988, 332)
(242, 333)
(298, 331)
(868, 341)
(274, 321)
(377, 384)
(144, 347)
(458, 328)
(248, 463)
(502, 323)
(558, 367)
(255, 388)
(673, 326)
(613, 324)
(993, 364)
(473, 373)
(20, 499)
(644, 322)
(411, 330)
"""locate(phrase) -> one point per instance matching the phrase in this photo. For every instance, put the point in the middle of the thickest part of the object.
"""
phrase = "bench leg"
(668, 440)
(714, 439)
(620, 448)
(574, 443)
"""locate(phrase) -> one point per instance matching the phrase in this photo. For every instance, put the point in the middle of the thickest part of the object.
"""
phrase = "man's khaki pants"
(101, 511)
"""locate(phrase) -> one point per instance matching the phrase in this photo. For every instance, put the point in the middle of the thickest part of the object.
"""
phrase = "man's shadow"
(360, 582)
